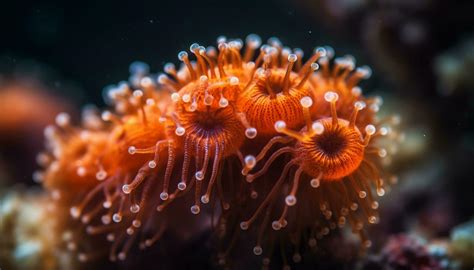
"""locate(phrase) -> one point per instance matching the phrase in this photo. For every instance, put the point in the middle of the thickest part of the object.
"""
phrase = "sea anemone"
(121, 171)
(332, 164)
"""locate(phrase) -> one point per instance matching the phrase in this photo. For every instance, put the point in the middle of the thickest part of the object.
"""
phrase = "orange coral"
(337, 163)
(188, 130)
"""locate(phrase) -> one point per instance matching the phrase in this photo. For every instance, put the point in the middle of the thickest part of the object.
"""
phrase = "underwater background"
(57, 56)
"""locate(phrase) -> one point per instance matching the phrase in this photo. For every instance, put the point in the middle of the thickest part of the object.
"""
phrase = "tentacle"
(186, 161)
(251, 177)
(201, 174)
(150, 241)
(76, 211)
(143, 172)
(290, 200)
(245, 224)
(250, 161)
(169, 170)
(215, 167)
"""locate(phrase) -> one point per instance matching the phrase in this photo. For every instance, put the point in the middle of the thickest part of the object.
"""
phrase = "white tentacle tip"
(181, 186)
(331, 96)
(199, 175)
(280, 126)
(180, 131)
(370, 130)
(234, 80)
(318, 128)
(182, 55)
(195, 209)
(126, 189)
(132, 150)
(205, 199)
(306, 102)
(251, 132)
(250, 161)
(292, 58)
(290, 200)
(164, 196)
(63, 119)
(359, 105)
(257, 250)
(175, 97)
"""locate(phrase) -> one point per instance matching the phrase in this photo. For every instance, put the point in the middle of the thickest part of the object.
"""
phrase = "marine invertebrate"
(225, 96)
(149, 145)
(89, 169)
(341, 76)
(332, 163)
(120, 173)
(277, 87)
(207, 128)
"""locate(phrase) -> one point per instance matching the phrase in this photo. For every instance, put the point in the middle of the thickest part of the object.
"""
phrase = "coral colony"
(278, 147)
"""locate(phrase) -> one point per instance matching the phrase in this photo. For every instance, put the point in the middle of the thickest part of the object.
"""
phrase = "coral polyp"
(107, 188)
(340, 76)
(268, 136)
(335, 152)
(331, 166)
(328, 154)
(327, 150)
(207, 127)
(275, 92)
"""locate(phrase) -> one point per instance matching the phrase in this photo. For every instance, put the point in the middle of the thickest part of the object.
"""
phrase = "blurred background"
(56, 57)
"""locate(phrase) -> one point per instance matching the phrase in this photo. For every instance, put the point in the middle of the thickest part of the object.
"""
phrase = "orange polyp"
(336, 153)
(106, 167)
(263, 109)
(275, 90)
(205, 89)
(340, 77)
(210, 103)
(133, 133)
(76, 152)
(207, 126)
